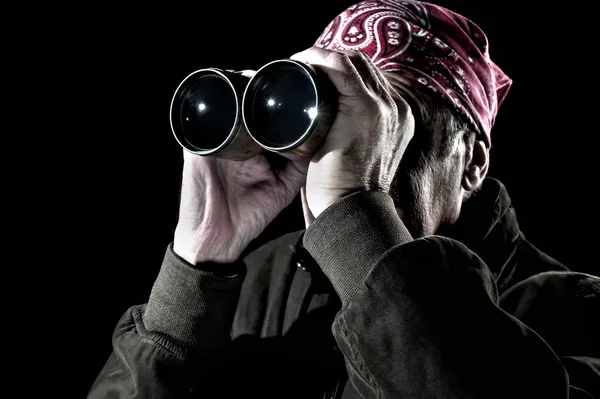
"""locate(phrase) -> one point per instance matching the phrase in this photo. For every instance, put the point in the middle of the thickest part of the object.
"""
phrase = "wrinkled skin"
(226, 204)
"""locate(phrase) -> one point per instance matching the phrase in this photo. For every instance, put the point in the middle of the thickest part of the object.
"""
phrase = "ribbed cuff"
(351, 235)
(195, 307)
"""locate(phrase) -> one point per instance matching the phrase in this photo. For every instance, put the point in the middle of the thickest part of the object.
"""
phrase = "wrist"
(202, 255)
(325, 200)
(197, 249)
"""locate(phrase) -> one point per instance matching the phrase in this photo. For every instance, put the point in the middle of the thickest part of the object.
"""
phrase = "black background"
(113, 208)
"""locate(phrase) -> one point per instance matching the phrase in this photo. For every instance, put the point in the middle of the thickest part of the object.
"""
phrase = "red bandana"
(440, 49)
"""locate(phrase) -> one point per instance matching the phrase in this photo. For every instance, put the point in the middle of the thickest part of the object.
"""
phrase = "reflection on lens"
(207, 111)
(281, 105)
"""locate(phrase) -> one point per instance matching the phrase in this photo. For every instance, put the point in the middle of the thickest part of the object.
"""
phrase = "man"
(414, 279)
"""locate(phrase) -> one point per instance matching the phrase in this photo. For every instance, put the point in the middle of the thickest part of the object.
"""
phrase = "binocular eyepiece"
(287, 106)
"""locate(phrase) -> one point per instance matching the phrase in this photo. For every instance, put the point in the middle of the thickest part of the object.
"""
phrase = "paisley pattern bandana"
(440, 49)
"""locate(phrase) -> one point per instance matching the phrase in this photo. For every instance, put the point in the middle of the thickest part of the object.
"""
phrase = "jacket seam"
(164, 341)
(357, 358)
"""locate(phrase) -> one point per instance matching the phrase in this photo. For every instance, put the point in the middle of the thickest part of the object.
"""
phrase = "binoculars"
(287, 106)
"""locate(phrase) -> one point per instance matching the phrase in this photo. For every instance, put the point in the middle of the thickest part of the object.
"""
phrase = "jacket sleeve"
(420, 318)
(161, 348)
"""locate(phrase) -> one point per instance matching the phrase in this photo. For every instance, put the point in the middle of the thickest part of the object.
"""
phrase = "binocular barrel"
(287, 106)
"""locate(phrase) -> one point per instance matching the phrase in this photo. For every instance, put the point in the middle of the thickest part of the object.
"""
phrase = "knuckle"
(371, 108)
(340, 58)
(403, 109)
(393, 107)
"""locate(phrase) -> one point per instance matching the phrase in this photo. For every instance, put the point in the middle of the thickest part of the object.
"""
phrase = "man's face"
(427, 186)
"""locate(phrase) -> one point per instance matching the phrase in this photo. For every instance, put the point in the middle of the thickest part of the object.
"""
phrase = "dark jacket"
(354, 306)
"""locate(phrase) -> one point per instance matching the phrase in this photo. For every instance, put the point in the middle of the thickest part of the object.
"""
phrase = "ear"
(476, 164)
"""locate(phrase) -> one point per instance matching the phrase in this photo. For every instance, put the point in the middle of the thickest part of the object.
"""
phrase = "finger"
(339, 69)
(375, 76)
(366, 69)
(294, 173)
(384, 87)
(399, 89)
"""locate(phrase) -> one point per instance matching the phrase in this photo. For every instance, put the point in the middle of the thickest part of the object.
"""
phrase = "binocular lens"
(285, 106)
(280, 105)
(204, 111)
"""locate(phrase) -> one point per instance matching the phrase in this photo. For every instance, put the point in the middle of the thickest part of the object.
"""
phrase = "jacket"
(356, 307)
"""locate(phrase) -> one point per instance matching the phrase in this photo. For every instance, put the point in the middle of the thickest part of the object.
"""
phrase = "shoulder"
(559, 285)
(561, 306)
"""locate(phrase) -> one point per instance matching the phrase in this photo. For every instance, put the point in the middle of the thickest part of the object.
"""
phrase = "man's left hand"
(369, 135)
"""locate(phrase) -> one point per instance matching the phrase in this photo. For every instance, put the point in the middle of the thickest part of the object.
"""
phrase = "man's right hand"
(226, 204)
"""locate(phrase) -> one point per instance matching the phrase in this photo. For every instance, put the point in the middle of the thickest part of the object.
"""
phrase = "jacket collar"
(488, 226)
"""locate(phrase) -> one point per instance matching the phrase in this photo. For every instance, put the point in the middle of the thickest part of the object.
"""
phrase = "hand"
(226, 204)
(369, 135)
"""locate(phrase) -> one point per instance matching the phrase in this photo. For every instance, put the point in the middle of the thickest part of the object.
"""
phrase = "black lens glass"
(283, 104)
(208, 111)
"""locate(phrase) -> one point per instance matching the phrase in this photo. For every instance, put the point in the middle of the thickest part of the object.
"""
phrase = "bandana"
(442, 50)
